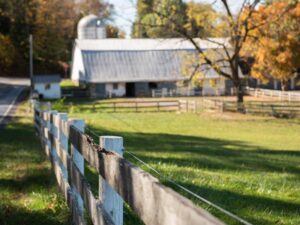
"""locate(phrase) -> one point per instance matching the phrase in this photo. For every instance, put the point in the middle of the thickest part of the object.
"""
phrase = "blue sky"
(125, 11)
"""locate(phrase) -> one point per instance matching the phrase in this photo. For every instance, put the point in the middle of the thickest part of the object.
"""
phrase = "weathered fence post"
(78, 160)
(53, 131)
(112, 202)
(63, 139)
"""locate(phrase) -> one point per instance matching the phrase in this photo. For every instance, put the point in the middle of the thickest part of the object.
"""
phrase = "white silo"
(91, 27)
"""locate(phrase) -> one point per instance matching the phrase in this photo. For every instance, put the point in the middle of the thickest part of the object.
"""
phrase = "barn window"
(115, 86)
(47, 86)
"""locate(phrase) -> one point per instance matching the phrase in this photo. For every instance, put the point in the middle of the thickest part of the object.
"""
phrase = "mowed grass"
(28, 190)
(248, 165)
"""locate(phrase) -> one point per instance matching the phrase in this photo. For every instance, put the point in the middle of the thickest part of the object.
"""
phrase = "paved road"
(10, 89)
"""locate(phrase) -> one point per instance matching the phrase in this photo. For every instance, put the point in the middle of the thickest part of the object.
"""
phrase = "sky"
(125, 11)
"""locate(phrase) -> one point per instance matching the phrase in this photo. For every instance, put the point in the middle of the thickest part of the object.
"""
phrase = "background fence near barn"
(124, 106)
(269, 108)
(68, 148)
(281, 95)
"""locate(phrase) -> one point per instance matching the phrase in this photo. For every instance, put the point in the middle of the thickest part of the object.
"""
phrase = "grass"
(248, 165)
(68, 84)
(28, 190)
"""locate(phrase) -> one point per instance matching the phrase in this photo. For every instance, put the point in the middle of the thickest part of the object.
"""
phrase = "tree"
(151, 24)
(144, 7)
(7, 54)
(275, 48)
(203, 21)
(228, 52)
(97, 7)
(53, 33)
(53, 25)
(114, 32)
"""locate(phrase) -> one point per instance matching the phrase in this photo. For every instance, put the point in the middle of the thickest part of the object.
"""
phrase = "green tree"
(114, 32)
(144, 7)
(151, 21)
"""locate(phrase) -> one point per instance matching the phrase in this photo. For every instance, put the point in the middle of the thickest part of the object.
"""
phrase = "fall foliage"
(275, 46)
(53, 26)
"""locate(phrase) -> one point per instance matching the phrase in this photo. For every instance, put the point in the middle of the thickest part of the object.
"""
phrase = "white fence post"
(112, 202)
(78, 160)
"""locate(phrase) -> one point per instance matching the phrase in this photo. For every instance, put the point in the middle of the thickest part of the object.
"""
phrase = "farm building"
(133, 67)
(47, 86)
(293, 83)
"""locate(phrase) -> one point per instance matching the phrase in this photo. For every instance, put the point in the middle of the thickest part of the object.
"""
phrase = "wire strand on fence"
(233, 216)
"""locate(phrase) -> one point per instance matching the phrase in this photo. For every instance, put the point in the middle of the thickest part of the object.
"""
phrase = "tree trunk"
(284, 85)
(240, 96)
(240, 93)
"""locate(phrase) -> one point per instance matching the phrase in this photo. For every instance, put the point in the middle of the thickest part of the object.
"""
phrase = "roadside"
(28, 190)
(12, 91)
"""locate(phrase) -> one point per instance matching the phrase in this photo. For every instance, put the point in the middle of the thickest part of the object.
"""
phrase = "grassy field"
(248, 165)
(28, 191)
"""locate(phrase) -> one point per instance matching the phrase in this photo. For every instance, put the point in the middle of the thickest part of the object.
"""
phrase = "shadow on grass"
(224, 156)
(37, 180)
(242, 202)
(215, 154)
(12, 215)
(24, 170)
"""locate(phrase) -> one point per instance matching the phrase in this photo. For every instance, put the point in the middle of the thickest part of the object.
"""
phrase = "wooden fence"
(280, 95)
(138, 106)
(68, 148)
(276, 109)
(128, 106)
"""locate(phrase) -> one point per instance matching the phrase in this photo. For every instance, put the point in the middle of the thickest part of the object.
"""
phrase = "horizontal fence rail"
(276, 109)
(68, 148)
(281, 95)
(129, 106)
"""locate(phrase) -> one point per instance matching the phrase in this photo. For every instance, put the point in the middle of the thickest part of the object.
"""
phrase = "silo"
(91, 27)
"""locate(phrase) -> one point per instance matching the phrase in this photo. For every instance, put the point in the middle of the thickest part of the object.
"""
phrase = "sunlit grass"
(28, 190)
(248, 165)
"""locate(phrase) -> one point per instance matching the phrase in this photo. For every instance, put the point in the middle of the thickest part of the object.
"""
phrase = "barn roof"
(52, 78)
(137, 60)
(147, 44)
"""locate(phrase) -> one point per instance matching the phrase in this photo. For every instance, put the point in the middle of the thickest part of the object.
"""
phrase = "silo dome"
(91, 27)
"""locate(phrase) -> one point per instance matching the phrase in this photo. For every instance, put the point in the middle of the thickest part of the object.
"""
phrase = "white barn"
(47, 86)
(132, 67)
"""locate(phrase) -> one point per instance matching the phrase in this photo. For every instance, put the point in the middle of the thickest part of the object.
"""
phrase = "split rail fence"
(134, 106)
(276, 109)
(68, 148)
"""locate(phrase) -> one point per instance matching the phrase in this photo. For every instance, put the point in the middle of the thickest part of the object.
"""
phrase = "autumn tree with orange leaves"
(275, 46)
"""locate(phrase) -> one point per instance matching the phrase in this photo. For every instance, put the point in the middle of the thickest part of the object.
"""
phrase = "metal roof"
(137, 60)
(113, 44)
(51, 78)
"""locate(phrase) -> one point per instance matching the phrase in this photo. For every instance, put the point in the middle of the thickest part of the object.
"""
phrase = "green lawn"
(28, 190)
(68, 84)
(248, 165)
